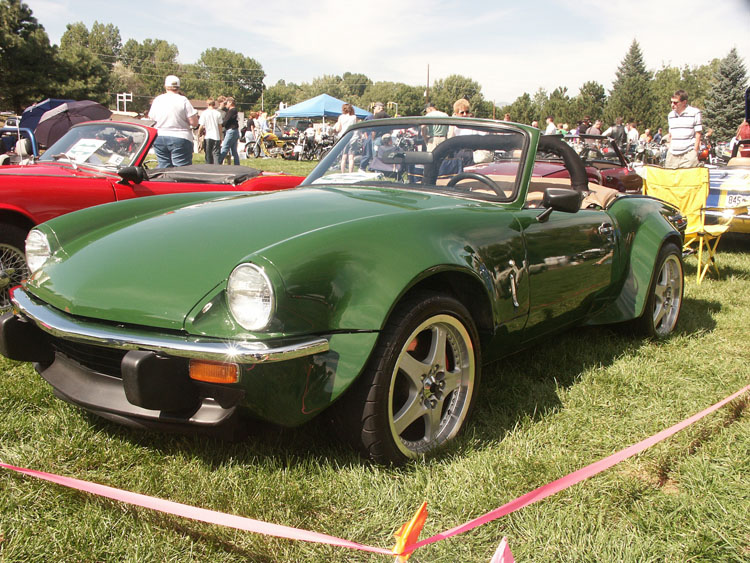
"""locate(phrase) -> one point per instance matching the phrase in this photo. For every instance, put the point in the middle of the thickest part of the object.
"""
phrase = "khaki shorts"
(685, 160)
(433, 142)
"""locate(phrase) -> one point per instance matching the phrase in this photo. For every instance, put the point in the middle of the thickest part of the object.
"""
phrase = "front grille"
(96, 358)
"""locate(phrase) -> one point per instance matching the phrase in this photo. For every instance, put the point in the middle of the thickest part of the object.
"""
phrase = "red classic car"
(100, 162)
(605, 164)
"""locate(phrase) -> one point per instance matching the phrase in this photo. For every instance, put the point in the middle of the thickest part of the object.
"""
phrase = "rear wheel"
(13, 267)
(664, 299)
(418, 389)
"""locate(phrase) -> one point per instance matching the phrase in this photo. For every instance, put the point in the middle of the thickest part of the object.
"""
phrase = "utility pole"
(427, 92)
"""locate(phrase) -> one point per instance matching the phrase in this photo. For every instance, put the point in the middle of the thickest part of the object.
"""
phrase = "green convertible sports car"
(378, 288)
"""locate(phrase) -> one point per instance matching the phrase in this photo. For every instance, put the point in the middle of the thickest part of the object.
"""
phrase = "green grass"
(299, 168)
(572, 400)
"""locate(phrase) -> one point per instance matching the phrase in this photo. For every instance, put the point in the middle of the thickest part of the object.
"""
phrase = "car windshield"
(459, 156)
(106, 145)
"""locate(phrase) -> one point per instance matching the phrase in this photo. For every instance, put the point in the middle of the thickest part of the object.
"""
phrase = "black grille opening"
(96, 358)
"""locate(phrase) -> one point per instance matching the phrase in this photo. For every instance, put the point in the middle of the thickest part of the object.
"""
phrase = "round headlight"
(250, 296)
(37, 250)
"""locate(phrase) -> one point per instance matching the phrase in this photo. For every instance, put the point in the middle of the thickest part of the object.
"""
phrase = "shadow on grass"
(521, 386)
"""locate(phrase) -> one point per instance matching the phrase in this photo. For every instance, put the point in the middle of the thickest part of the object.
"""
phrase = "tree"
(80, 72)
(26, 57)
(354, 85)
(590, 102)
(289, 94)
(124, 79)
(105, 42)
(539, 99)
(522, 110)
(446, 91)
(223, 72)
(725, 104)
(151, 61)
(81, 75)
(330, 84)
(398, 97)
(559, 105)
(632, 96)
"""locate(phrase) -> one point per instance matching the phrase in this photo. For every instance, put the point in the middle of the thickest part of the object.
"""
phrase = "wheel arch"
(461, 285)
(16, 218)
(644, 250)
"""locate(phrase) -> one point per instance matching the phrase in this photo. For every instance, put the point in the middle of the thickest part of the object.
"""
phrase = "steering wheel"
(474, 176)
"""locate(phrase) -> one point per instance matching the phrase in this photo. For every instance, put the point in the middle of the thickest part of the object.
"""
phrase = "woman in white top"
(346, 120)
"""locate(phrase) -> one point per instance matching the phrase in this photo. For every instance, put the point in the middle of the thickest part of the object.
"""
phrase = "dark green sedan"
(418, 250)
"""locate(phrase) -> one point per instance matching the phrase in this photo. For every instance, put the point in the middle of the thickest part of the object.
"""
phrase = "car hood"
(150, 262)
(44, 169)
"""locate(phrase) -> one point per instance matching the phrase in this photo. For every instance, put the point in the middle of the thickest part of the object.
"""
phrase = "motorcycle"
(304, 149)
(648, 153)
(324, 145)
(271, 145)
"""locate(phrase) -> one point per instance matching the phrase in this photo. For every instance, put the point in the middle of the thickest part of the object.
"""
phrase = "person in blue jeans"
(231, 133)
(174, 118)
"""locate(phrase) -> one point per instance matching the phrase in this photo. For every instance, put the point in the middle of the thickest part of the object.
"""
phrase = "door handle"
(606, 230)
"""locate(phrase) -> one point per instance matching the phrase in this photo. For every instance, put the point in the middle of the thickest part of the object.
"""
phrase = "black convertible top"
(204, 174)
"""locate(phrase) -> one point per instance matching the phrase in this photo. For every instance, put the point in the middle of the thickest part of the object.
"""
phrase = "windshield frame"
(482, 126)
(73, 137)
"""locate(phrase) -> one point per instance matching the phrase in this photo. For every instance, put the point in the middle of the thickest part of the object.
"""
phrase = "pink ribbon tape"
(194, 513)
(278, 530)
(576, 477)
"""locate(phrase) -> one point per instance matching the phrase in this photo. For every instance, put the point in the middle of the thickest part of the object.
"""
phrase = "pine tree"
(632, 93)
(26, 57)
(725, 104)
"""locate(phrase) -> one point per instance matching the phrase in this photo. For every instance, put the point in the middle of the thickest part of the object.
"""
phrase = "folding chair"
(687, 189)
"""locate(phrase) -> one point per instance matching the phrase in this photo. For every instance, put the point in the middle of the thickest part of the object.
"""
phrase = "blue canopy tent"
(320, 106)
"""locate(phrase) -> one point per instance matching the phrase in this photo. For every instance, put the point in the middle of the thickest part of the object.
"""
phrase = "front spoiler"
(68, 327)
(104, 396)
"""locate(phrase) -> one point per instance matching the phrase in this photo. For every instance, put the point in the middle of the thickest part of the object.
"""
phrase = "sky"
(508, 47)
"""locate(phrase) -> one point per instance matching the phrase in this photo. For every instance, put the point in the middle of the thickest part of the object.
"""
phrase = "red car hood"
(49, 169)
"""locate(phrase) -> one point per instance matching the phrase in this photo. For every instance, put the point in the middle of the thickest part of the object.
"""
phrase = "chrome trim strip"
(64, 326)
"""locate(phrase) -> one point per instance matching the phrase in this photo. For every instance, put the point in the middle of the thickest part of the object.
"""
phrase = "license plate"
(297, 149)
(735, 200)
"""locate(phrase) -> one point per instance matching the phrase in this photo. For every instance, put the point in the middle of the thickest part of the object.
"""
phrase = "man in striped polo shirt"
(685, 129)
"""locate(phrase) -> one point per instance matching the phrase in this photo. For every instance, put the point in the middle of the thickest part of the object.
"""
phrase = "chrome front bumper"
(59, 324)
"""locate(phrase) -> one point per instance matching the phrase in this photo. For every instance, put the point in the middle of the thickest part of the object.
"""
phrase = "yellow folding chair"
(687, 189)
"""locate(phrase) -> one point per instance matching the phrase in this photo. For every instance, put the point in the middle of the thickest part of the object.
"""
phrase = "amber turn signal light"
(213, 372)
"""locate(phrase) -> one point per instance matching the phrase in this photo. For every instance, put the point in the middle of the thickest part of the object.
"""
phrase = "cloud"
(509, 48)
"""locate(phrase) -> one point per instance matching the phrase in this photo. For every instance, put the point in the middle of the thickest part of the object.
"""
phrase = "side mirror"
(134, 174)
(560, 199)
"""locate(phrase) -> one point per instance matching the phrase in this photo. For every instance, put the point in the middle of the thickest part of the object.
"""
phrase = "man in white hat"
(175, 117)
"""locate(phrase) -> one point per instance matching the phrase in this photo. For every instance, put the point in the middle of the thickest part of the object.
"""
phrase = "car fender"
(348, 277)
(365, 280)
(17, 215)
(643, 231)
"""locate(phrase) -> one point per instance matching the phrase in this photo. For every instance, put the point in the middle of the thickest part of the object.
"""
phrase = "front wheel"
(13, 267)
(664, 300)
(419, 386)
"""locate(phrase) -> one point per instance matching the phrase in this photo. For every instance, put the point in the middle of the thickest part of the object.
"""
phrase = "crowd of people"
(219, 129)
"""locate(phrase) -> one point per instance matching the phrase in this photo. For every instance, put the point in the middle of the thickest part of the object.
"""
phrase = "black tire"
(256, 150)
(13, 267)
(418, 388)
(664, 300)
(287, 152)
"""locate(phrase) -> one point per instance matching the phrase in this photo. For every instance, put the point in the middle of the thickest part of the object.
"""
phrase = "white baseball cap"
(172, 81)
